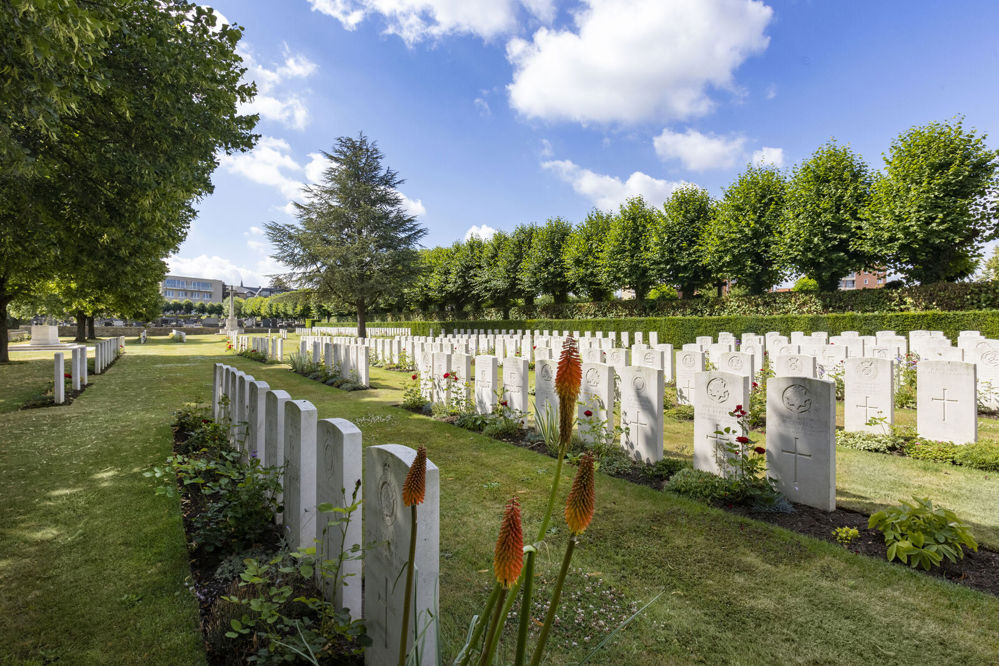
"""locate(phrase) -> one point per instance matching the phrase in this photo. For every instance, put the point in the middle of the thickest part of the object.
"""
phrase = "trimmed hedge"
(681, 330)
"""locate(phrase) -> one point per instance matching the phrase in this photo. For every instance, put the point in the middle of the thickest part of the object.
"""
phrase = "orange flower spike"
(415, 486)
(569, 375)
(509, 557)
(581, 503)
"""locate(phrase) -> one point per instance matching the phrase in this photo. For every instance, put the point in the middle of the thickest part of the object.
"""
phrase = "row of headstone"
(106, 352)
(346, 357)
(351, 331)
(270, 347)
(78, 372)
(322, 461)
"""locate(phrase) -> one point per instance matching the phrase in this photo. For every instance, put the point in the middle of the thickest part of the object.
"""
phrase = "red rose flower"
(446, 375)
(588, 413)
(503, 403)
(760, 450)
(738, 408)
(755, 385)
(413, 377)
(67, 375)
(742, 439)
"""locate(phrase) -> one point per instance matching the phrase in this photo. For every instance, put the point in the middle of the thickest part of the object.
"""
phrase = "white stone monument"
(946, 401)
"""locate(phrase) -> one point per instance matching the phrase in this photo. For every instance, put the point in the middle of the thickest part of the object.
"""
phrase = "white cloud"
(483, 231)
(543, 10)
(771, 91)
(413, 207)
(608, 192)
(698, 151)
(546, 148)
(315, 168)
(219, 268)
(273, 100)
(769, 156)
(269, 163)
(483, 107)
(255, 231)
(417, 20)
(636, 60)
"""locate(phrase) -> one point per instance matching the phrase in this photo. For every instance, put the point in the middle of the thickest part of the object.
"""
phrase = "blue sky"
(500, 112)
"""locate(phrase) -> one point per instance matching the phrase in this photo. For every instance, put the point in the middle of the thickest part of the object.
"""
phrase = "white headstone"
(801, 442)
(794, 365)
(739, 363)
(596, 396)
(300, 423)
(274, 401)
(946, 402)
(486, 380)
(387, 524)
(545, 398)
(256, 419)
(688, 363)
(642, 413)
(515, 382)
(59, 385)
(869, 394)
(716, 395)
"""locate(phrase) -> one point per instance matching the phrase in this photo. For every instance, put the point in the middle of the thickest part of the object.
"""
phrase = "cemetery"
(643, 355)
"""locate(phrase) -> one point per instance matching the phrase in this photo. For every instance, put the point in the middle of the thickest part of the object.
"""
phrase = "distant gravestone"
(486, 377)
(794, 365)
(442, 384)
(738, 363)
(688, 363)
(545, 397)
(387, 525)
(869, 394)
(515, 383)
(300, 423)
(338, 465)
(59, 385)
(461, 367)
(596, 396)
(217, 379)
(716, 394)
(642, 413)
(649, 358)
(946, 402)
(669, 372)
(593, 355)
(801, 444)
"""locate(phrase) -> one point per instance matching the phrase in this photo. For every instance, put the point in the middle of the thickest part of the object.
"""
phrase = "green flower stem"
(494, 631)
(528, 573)
(539, 649)
(480, 624)
(410, 566)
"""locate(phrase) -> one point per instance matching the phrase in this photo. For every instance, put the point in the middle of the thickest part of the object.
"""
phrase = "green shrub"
(806, 285)
(699, 485)
(681, 413)
(865, 441)
(922, 535)
(925, 449)
(982, 455)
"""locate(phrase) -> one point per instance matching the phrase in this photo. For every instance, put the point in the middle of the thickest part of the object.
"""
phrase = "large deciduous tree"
(584, 256)
(676, 255)
(934, 208)
(626, 254)
(741, 242)
(544, 268)
(354, 241)
(826, 196)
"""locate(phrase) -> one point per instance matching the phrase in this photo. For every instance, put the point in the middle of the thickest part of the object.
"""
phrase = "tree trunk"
(362, 328)
(81, 326)
(4, 355)
(90, 329)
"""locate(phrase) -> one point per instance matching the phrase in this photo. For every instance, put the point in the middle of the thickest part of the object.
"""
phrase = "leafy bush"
(806, 285)
(700, 485)
(846, 535)
(925, 449)
(253, 355)
(922, 535)
(981, 455)
(681, 413)
(865, 441)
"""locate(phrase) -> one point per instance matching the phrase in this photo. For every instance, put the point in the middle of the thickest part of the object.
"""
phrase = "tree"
(544, 267)
(676, 255)
(462, 267)
(741, 243)
(826, 196)
(626, 254)
(990, 270)
(354, 242)
(514, 258)
(934, 208)
(583, 256)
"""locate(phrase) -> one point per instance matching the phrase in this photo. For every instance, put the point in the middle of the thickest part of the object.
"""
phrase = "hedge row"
(947, 297)
(681, 330)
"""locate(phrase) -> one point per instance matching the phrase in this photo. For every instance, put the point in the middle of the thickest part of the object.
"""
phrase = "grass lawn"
(92, 563)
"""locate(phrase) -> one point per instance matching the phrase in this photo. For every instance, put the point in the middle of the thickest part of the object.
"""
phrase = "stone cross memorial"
(688, 363)
(642, 413)
(869, 397)
(946, 402)
(716, 395)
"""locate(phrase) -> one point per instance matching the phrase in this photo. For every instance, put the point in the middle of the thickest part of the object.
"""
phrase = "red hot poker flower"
(415, 487)
(581, 503)
(508, 559)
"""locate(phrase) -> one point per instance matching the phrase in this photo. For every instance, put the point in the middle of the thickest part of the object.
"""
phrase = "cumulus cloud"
(768, 156)
(635, 60)
(482, 106)
(274, 101)
(697, 151)
(546, 148)
(418, 20)
(414, 207)
(315, 168)
(219, 268)
(608, 192)
(483, 231)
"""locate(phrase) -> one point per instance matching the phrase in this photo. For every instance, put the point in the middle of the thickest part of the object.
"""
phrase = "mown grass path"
(92, 566)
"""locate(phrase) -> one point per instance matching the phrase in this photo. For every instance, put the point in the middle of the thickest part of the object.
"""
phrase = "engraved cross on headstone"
(796, 453)
(633, 418)
(943, 400)
(867, 408)
(688, 390)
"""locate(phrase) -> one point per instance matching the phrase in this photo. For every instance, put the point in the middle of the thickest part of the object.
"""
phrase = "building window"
(866, 281)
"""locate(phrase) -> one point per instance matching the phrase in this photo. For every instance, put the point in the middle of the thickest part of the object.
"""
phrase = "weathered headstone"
(801, 443)
(338, 462)
(486, 379)
(716, 394)
(687, 364)
(515, 380)
(596, 396)
(869, 395)
(300, 423)
(739, 363)
(794, 365)
(642, 413)
(387, 524)
(946, 401)
(545, 398)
